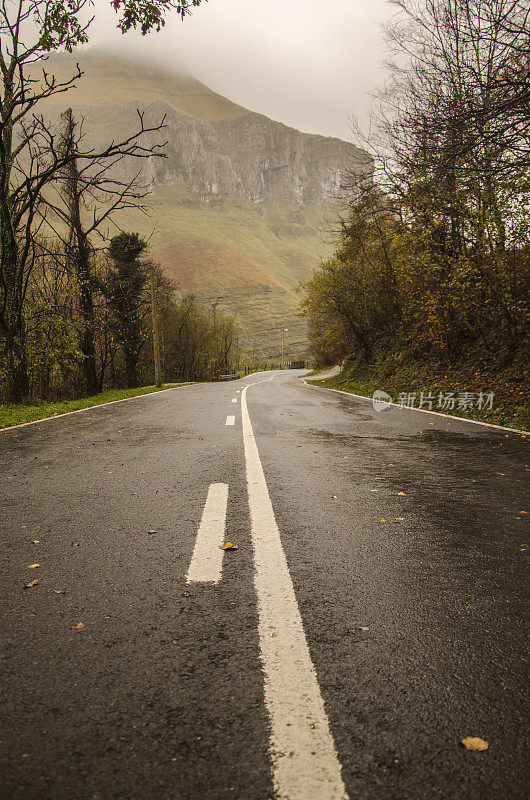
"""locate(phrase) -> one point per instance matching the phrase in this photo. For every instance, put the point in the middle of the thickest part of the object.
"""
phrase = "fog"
(309, 64)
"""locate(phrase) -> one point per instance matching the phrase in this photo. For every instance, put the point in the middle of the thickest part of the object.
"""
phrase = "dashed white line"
(207, 559)
(304, 760)
(230, 420)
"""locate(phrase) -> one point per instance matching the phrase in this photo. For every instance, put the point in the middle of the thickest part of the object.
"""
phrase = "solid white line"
(230, 420)
(421, 410)
(92, 408)
(207, 559)
(304, 760)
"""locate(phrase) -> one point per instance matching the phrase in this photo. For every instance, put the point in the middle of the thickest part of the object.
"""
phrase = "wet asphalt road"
(160, 695)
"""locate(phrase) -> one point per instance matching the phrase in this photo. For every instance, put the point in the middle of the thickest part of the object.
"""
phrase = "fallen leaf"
(333, 496)
(475, 743)
(31, 583)
(374, 490)
(133, 492)
(363, 628)
(228, 546)
(399, 519)
(382, 519)
(59, 591)
(151, 532)
(33, 566)
(524, 547)
(345, 456)
(75, 544)
(78, 627)
(402, 493)
(523, 512)
(35, 541)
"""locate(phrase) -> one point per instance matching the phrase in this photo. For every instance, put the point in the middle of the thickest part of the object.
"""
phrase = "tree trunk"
(79, 254)
(17, 380)
(13, 322)
(131, 375)
(86, 342)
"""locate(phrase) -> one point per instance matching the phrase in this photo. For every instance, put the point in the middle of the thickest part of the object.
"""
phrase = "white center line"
(230, 420)
(207, 559)
(304, 760)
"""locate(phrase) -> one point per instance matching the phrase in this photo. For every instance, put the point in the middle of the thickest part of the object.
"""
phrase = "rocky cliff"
(237, 204)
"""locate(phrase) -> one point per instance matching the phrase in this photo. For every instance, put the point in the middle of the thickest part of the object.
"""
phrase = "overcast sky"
(308, 63)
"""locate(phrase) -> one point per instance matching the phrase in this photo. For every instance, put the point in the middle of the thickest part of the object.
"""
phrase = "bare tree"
(30, 154)
(33, 157)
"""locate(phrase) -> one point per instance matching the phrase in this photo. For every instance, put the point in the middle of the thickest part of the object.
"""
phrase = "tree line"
(434, 256)
(71, 354)
(74, 305)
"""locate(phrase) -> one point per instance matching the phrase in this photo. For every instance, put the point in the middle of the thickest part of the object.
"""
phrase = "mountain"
(237, 206)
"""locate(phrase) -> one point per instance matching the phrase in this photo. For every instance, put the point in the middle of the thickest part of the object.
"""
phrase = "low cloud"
(288, 59)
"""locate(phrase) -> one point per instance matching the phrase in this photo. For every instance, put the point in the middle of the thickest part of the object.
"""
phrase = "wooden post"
(156, 336)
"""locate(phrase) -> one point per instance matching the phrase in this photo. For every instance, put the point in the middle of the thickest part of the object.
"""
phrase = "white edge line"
(91, 408)
(421, 410)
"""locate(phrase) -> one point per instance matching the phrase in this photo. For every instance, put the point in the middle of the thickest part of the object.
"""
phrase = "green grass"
(35, 409)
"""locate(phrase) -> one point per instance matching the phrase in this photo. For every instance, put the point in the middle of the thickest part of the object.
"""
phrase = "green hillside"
(109, 80)
(250, 257)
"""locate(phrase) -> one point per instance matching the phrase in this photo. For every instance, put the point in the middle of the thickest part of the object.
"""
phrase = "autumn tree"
(126, 289)
(30, 156)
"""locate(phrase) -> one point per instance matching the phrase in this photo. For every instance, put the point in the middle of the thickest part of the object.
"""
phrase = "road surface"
(372, 616)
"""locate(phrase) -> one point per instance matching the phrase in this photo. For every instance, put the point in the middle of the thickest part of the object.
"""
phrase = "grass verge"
(37, 409)
(511, 403)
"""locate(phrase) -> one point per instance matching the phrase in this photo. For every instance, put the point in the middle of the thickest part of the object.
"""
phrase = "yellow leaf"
(35, 541)
(78, 627)
(401, 493)
(475, 743)
(33, 566)
(31, 583)
(363, 628)
(228, 546)
(382, 519)
(59, 591)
